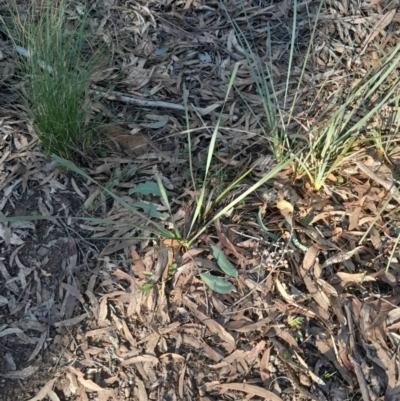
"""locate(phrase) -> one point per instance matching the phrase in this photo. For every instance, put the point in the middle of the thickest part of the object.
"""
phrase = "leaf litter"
(76, 308)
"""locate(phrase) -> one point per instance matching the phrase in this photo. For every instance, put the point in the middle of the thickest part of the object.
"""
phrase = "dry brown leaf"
(128, 334)
(8, 278)
(297, 309)
(285, 207)
(173, 356)
(137, 266)
(121, 275)
(326, 348)
(379, 27)
(361, 378)
(72, 321)
(346, 279)
(354, 218)
(98, 332)
(249, 389)
(7, 332)
(245, 327)
(73, 386)
(392, 390)
(20, 374)
(383, 311)
(286, 336)
(139, 359)
(210, 352)
(310, 373)
(299, 387)
(225, 241)
(229, 162)
(3, 301)
(253, 354)
(73, 291)
(82, 394)
(161, 265)
(320, 298)
(264, 365)
(44, 390)
(140, 392)
(229, 359)
(328, 289)
(39, 346)
(287, 297)
(310, 256)
(130, 144)
(377, 354)
(91, 385)
(181, 381)
(341, 257)
(228, 342)
(53, 396)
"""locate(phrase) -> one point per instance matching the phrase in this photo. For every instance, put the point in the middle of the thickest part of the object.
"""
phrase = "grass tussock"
(332, 127)
(56, 64)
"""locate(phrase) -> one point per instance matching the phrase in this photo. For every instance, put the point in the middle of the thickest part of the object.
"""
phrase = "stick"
(121, 97)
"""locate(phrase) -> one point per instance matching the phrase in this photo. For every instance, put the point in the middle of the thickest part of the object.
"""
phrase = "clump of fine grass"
(56, 68)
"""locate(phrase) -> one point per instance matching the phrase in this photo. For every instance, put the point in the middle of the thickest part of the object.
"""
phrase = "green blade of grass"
(259, 183)
(56, 71)
(166, 201)
(211, 147)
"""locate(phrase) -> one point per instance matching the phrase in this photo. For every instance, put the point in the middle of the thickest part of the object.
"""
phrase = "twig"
(121, 97)
(389, 186)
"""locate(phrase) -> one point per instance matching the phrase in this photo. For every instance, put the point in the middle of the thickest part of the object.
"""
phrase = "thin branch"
(121, 97)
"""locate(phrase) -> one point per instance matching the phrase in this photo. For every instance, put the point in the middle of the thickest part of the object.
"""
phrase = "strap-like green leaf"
(148, 188)
(151, 209)
(217, 284)
(223, 262)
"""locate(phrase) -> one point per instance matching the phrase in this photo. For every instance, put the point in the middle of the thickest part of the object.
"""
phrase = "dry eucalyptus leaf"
(20, 374)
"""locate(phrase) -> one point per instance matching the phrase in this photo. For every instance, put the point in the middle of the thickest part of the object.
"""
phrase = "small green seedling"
(146, 287)
(328, 375)
(295, 322)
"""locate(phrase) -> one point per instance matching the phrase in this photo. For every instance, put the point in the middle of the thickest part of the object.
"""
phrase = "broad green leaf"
(150, 209)
(172, 269)
(161, 52)
(217, 284)
(148, 188)
(223, 262)
(146, 287)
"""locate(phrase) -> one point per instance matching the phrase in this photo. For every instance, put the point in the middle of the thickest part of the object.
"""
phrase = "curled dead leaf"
(341, 257)
(43, 392)
(249, 389)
